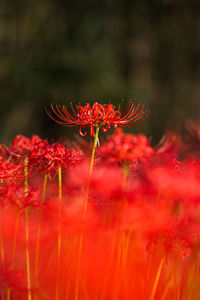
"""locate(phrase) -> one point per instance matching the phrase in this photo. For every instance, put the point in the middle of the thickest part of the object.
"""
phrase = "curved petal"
(80, 131)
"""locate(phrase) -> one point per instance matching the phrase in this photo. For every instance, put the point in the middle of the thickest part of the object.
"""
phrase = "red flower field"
(116, 221)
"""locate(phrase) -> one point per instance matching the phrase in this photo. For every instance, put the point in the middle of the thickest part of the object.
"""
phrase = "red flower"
(48, 158)
(126, 148)
(12, 278)
(9, 171)
(98, 115)
(22, 145)
(14, 195)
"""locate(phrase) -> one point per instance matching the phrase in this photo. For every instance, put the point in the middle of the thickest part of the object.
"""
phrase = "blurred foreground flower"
(126, 148)
(130, 229)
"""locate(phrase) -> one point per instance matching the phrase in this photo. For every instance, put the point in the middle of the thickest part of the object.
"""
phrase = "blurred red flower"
(12, 278)
(10, 172)
(22, 145)
(48, 158)
(126, 148)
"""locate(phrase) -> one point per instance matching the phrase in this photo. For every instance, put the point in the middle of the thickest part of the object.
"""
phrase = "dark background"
(61, 51)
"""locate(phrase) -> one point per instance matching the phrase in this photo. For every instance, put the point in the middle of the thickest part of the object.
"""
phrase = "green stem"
(8, 294)
(3, 262)
(28, 257)
(26, 177)
(125, 174)
(78, 267)
(152, 297)
(85, 210)
(93, 149)
(59, 231)
(38, 233)
(13, 252)
(44, 187)
(15, 238)
(91, 167)
(125, 183)
(2, 248)
(60, 184)
(27, 230)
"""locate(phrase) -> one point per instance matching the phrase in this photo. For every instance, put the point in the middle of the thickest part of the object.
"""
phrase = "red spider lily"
(140, 238)
(30, 200)
(13, 167)
(48, 158)
(42, 156)
(22, 145)
(14, 195)
(10, 172)
(126, 148)
(99, 116)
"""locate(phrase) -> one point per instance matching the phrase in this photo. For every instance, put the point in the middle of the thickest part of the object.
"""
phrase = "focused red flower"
(99, 116)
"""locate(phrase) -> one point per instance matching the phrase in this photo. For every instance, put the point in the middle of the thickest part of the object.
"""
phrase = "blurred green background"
(61, 51)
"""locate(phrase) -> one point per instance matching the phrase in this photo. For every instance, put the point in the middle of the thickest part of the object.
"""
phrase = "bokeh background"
(61, 51)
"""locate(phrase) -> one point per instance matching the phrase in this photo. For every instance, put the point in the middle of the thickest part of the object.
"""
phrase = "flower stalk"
(27, 230)
(38, 233)
(96, 140)
(59, 232)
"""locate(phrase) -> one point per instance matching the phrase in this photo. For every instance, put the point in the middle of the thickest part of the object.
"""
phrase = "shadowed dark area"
(62, 51)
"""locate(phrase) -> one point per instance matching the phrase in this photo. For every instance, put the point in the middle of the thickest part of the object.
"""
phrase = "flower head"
(126, 148)
(10, 172)
(99, 116)
(22, 145)
(48, 158)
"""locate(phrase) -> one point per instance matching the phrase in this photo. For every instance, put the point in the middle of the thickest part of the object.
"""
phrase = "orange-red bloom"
(126, 148)
(99, 116)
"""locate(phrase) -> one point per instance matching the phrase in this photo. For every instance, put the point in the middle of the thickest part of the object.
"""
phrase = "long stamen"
(99, 115)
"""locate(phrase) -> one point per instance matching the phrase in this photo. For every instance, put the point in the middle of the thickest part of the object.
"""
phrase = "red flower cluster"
(9, 171)
(13, 195)
(126, 148)
(41, 155)
(48, 158)
(141, 226)
(22, 145)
